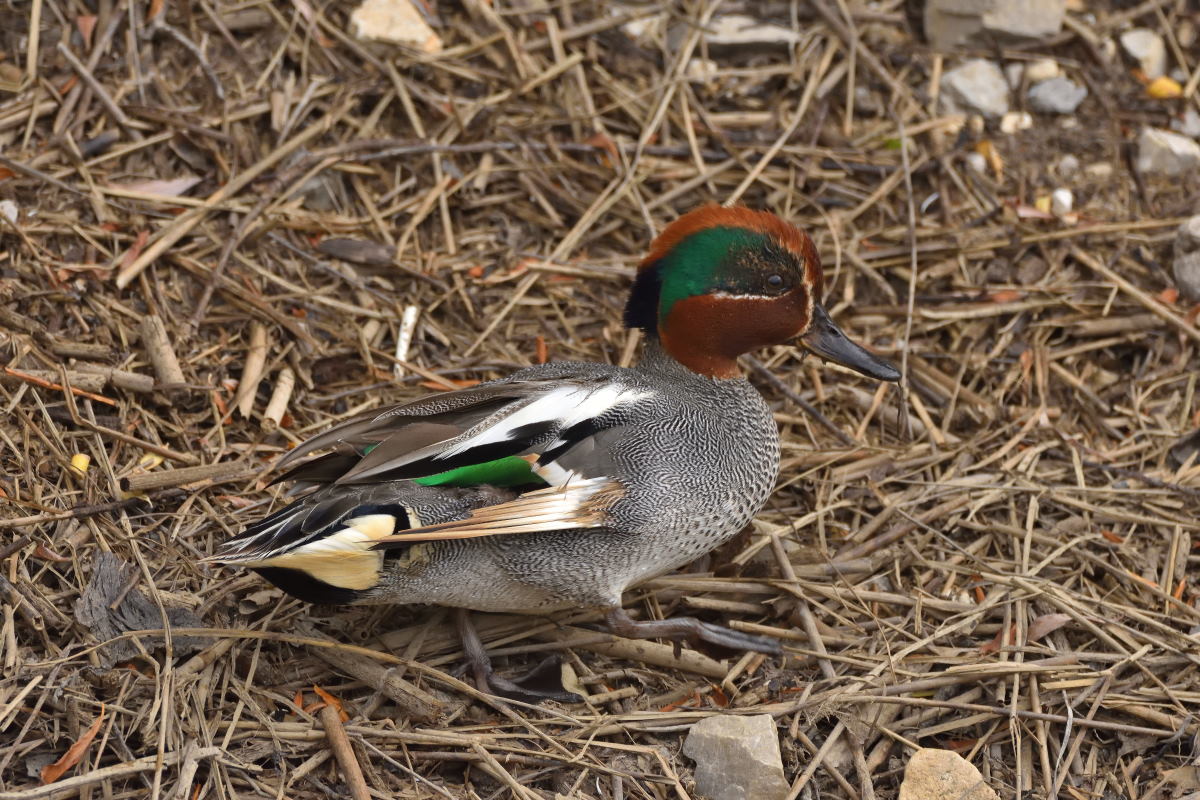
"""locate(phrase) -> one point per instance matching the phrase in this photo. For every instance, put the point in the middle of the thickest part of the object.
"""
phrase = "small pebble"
(1186, 267)
(1068, 165)
(1101, 170)
(1162, 152)
(1146, 47)
(701, 70)
(1062, 202)
(1188, 124)
(977, 162)
(1015, 121)
(978, 85)
(10, 211)
(1056, 96)
(1042, 70)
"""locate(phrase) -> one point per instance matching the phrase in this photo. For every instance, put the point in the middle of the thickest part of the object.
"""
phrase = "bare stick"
(161, 353)
(284, 383)
(256, 359)
(339, 743)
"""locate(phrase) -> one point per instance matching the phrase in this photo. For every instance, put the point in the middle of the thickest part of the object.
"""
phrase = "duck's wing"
(536, 419)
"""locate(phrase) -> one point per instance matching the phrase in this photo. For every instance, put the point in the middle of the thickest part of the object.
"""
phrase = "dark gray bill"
(827, 340)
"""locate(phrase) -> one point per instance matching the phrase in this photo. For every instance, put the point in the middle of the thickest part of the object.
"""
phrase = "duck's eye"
(775, 281)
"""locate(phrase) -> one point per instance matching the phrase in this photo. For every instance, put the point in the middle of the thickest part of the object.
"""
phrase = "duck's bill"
(827, 340)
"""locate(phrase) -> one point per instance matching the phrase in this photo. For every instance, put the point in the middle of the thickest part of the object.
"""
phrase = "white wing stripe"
(567, 405)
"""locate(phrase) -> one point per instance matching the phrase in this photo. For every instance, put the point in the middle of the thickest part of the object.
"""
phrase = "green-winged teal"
(565, 484)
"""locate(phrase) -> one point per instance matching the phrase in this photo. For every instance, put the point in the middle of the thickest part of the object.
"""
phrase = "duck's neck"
(657, 358)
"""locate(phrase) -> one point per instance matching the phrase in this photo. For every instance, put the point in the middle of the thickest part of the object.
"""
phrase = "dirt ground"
(226, 225)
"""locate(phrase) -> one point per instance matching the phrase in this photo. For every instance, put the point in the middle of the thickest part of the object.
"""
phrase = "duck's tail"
(319, 548)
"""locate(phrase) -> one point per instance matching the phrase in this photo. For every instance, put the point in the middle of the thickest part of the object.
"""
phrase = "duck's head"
(720, 282)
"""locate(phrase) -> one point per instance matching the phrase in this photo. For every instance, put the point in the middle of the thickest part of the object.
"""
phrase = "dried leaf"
(988, 150)
(172, 187)
(1164, 88)
(1045, 624)
(86, 23)
(357, 251)
(330, 700)
(1032, 212)
(44, 553)
(999, 640)
(135, 249)
(605, 143)
(74, 754)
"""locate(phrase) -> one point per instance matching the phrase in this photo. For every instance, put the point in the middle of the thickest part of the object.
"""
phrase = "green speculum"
(509, 471)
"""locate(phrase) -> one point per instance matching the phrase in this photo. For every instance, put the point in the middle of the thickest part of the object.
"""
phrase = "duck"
(565, 484)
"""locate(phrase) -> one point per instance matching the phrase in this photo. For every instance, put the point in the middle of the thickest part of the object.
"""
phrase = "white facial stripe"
(729, 296)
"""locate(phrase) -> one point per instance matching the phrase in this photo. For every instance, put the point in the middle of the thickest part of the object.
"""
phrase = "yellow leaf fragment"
(1164, 88)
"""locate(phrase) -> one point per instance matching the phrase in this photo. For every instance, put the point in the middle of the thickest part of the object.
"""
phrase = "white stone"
(1068, 165)
(1146, 47)
(732, 30)
(1056, 96)
(1016, 121)
(978, 85)
(977, 162)
(1161, 152)
(1186, 266)
(1062, 202)
(1188, 124)
(1042, 70)
(394, 21)
(701, 70)
(1101, 170)
(933, 774)
(9, 210)
(645, 27)
(954, 23)
(737, 757)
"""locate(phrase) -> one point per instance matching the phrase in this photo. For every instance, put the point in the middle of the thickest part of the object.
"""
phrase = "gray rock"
(1056, 96)
(1068, 165)
(1161, 152)
(737, 757)
(978, 85)
(1186, 266)
(1146, 47)
(955, 23)
(933, 774)
(1188, 124)
(395, 21)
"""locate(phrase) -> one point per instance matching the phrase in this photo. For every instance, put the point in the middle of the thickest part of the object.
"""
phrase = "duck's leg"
(690, 629)
(526, 688)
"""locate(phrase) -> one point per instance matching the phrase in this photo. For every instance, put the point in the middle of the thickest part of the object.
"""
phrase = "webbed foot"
(541, 683)
(689, 629)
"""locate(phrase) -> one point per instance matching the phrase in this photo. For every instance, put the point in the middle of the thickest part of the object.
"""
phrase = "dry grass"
(996, 560)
